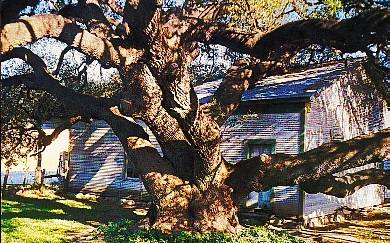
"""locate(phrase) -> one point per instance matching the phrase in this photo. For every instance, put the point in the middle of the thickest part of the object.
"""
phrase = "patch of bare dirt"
(367, 225)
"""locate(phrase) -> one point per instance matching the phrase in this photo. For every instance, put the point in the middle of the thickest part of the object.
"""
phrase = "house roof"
(302, 84)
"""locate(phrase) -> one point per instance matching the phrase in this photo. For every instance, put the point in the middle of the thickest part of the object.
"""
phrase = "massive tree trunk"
(192, 186)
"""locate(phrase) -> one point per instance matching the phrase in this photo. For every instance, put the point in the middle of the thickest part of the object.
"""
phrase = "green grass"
(31, 217)
(122, 231)
(43, 216)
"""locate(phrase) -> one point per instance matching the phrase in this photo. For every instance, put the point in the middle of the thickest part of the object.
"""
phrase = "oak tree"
(152, 46)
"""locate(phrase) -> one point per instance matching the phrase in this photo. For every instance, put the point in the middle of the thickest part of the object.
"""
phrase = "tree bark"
(5, 180)
(38, 179)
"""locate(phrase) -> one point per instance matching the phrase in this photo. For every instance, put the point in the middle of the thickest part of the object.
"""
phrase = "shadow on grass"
(82, 211)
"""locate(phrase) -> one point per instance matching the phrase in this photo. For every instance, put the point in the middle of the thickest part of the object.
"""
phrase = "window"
(130, 170)
(256, 147)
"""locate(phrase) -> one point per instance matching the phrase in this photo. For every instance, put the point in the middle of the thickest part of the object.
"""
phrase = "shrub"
(121, 231)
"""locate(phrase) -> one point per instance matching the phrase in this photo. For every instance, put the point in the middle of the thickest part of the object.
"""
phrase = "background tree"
(152, 45)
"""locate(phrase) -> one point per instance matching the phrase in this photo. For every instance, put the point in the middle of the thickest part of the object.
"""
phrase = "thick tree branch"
(310, 167)
(90, 13)
(10, 9)
(46, 140)
(349, 35)
(81, 104)
(280, 44)
(143, 98)
(203, 13)
(143, 18)
(30, 29)
(40, 79)
(141, 152)
(228, 95)
(346, 185)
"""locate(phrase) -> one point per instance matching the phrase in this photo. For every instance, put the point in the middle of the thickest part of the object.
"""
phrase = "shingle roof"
(303, 84)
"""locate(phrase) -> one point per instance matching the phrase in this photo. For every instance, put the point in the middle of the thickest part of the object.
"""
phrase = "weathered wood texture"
(284, 127)
(349, 107)
(97, 161)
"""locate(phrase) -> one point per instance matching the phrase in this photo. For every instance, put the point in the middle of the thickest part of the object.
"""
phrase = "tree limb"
(143, 17)
(10, 9)
(30, 29)
(228, 95)
(90, 13)
(346, 185)
(310, 167)
(46, 140)
(349, 35)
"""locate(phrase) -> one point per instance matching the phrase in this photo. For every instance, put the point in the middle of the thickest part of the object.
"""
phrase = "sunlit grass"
(39, 220)
(74, 204)
(34, 216)
(40, 230)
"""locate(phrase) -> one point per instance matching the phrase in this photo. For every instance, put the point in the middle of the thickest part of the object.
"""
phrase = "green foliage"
(122, 231)
(22, 113)
(333, 7)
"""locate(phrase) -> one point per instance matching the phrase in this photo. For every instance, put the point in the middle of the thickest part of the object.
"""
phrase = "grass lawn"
(35, 216)
(43, 216)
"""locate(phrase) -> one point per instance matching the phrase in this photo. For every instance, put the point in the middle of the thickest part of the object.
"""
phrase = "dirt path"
(370, 225)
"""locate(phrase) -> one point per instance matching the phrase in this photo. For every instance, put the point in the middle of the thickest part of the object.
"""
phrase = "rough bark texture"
(192, 186)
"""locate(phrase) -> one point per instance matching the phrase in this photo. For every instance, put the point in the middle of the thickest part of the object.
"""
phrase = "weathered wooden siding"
(284, 127)
(346, 109)
(97, 161)
(317, 205)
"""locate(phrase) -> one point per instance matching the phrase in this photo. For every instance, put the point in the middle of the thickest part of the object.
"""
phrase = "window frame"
(126, 164)
(258, 141)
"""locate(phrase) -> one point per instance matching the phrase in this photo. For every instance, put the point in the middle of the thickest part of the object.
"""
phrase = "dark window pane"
(258, 149)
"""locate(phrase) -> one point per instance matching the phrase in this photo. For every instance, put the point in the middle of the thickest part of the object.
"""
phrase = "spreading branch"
(90, 14)
(349, 35)
(46, 140)
(31, 29)
(311, 167)
(278, 46)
